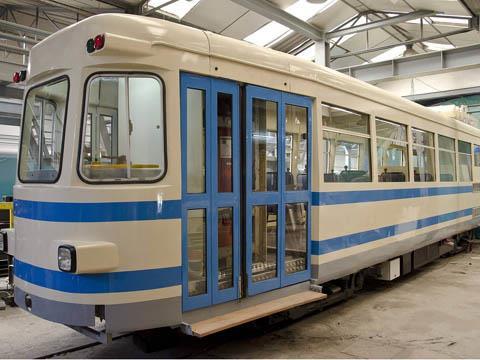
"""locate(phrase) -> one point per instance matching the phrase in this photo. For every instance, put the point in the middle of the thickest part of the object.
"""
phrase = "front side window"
(464, 161)
(123, 134)
(446, 153)
(43, 132)
(423, 155)
(392, 151)
(346, 145)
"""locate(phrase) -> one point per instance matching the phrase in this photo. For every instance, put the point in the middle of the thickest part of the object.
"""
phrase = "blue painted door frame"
(211, 200)
(281, 197)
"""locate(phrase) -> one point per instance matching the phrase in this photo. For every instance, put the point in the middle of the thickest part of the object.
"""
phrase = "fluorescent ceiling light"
(179, 8)
(273, 31)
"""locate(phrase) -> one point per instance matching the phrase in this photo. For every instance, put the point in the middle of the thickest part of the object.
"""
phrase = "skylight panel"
(179, 8)
(267, 34)
(393, 53)
(273, 31)
(438, 47)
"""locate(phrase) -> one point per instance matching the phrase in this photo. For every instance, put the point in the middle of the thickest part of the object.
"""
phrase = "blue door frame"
(280, 197)
(211, 200)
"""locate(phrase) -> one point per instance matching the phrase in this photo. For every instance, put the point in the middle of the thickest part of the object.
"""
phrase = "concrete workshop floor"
(434, 313)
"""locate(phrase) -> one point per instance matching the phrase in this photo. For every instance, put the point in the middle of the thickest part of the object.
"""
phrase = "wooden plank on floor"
(242, 316)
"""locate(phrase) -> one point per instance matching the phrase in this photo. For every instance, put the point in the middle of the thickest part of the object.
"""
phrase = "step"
(219, 323)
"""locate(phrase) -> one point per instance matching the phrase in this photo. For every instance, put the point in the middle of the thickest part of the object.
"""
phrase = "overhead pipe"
(14, 49)
(8, 25)
(20, 39)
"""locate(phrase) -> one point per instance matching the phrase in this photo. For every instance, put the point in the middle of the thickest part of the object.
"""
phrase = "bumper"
(56, 311)
(118, 318)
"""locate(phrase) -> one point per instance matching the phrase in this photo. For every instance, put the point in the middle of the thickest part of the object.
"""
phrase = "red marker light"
(98, 42)
(16, 77)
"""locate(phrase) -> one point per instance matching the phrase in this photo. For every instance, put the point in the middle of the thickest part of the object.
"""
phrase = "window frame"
(67, 99)
(434, 147)
(454, 152)
(349, 133)
(88, 80)
(472, 160)
(405, 142)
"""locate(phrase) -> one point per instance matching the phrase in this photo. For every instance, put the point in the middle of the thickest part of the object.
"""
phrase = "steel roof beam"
(381, 23)
(274, 13)
(409, 42)
(13, 49)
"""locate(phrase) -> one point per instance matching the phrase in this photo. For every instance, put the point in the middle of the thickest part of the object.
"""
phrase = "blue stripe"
(99, 283)
(97, 212)
(351, 197)
(346, 241)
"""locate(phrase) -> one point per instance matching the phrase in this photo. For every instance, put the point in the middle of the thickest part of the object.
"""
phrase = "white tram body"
(135, 226)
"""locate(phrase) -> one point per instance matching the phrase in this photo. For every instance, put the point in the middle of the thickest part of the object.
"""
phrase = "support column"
(322, 53)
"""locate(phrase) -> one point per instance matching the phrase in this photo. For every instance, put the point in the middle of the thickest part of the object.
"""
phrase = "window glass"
(196, 167)
(446, 159)
(296, 237)
(346, 158)
(476, 155)
(344, 119)
(264, 145)
(423, 156)
(446, 143)
(43, 132)
(197, 252)
(224, 145)
(422, 137)
(390, 130)
(392, 151)
(225, 248)
(464, 147)
(464, 161)
(296, 148)
(264, 242)
(123, 131)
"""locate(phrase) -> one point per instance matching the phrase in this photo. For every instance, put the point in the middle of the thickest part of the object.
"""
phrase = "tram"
(169, 175)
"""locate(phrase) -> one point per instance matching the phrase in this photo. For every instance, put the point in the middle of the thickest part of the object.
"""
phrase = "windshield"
(43, 132)
(123, 133)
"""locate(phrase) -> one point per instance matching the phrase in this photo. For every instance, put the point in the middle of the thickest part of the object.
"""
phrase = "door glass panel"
(197, 252)
(296, 148)
(224, 142)
(264, 145)
(295, 237)
(195, 141)
(225, 248)
(264, 242)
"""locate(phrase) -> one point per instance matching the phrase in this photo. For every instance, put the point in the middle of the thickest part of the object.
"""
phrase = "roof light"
(99, 42)
(16, 77)
(90, 46)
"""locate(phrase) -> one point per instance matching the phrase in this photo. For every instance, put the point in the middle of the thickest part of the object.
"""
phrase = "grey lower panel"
(346, 265)
(60, 312)
(143, 315)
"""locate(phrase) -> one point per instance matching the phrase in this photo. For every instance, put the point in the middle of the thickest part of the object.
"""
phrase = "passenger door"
(278, 189)
(210, 190)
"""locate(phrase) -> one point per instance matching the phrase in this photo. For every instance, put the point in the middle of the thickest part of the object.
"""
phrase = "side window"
(464, 161)
(392, 151)
(446, 154)
(43, 132)
(476, 155)
(346, 145)
(123, 134)
(423, 155)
